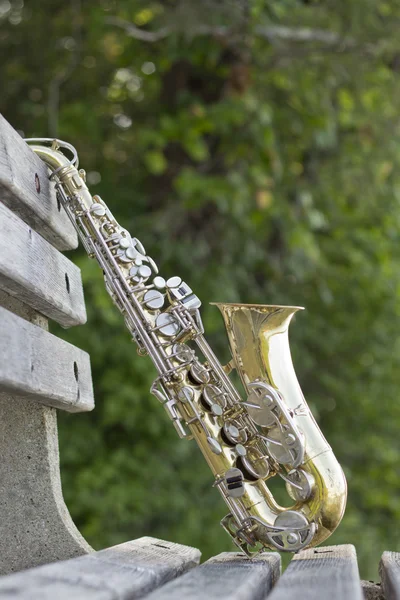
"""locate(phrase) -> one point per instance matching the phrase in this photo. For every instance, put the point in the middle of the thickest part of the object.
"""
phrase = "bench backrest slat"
(37, 273)
(26, 190)
(38, 365)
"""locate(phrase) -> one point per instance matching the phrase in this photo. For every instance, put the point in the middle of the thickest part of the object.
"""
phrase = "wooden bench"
(42, 554)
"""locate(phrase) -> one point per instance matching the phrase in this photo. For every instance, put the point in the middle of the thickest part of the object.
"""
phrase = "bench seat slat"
(39, 275)
(37, 365)
(126, 572)
(329, 572)
(228, 576)
(389, 570)
(21, 174)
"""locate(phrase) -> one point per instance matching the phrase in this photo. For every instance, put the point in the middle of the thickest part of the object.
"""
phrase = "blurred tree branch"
(272, 33)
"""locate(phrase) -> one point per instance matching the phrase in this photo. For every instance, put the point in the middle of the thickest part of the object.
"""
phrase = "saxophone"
(244, 441)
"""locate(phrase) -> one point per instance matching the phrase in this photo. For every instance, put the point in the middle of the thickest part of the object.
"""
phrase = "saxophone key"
(152, 264)
(183, 434)
(181, 292)
(215, 446)
(212, 395)
(167, 325)
(199, 374)
(159, 282)
(158, 393)
(254, 465)
(144, 271)
(185, 394)
(173, 282)
(299, 484)
(216, 410)
(122, 256)
(182, 353)
(124, 242)
(97, 210)
(153, 299)
(240, 450)
(261, 403)
(131, 253)
(285, 448)
(232, 434)
(139, 246)
(234, 481)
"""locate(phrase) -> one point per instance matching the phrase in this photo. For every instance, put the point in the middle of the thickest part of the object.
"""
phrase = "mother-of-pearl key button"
(216, 410)
(174, 282)
(131, 252)
(240, 450)
(153, 299)
(182, 352)
(167, 324)
(186, 394)
(124, 242)
(97, 209)
(199, 373)
(159, 282)
(144, 271)
(214, 445)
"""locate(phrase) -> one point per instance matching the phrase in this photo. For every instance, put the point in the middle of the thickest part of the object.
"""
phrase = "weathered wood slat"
(389, 570)
(228, 576)
(126, 572)
(22, 174)
(372, 591)
(39, 275)
(37, 365)
(330, 572)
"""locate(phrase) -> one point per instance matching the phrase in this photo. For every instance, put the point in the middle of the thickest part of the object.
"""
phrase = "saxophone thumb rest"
(247, 437)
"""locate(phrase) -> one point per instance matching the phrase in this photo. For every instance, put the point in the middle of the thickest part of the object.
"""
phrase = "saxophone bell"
(296, 449)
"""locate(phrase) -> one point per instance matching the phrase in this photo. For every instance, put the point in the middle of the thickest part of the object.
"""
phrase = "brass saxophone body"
(271, 433)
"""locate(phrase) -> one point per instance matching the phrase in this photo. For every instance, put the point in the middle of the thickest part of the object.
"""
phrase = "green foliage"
(255, 151)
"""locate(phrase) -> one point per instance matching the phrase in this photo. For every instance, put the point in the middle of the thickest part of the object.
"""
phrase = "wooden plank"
(372, 591)
(329, 572)
(37, 365)
(389, 570)
(126, 572)
(229, 575)
(39, 275)
(26, 189)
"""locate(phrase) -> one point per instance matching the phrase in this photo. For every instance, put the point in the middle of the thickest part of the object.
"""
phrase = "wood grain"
(37, 274)
(328, 573)
(37, 365)
(124, 572)
(372, 591)
(21, 174)
(389, 570)
(229, 575)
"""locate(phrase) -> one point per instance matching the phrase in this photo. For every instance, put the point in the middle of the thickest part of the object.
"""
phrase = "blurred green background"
(254, 148)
